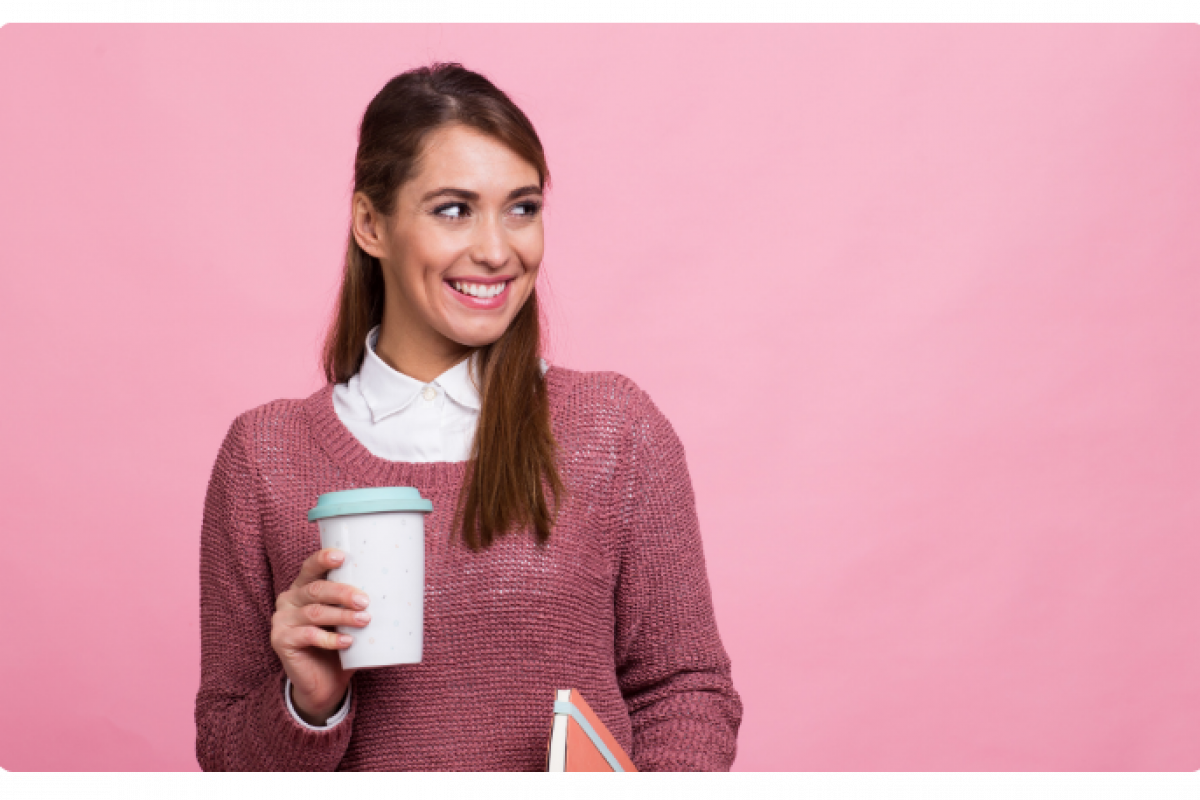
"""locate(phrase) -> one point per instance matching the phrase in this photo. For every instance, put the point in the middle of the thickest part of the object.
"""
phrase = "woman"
(563, 549)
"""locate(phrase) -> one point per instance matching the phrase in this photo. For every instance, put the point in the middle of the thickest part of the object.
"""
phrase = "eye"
(452, 210)
(527, 209)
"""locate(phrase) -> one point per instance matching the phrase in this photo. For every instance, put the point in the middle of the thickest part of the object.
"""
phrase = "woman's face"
(461, 252)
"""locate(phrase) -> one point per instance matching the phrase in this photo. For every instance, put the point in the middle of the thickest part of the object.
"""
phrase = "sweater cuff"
(329, 723)
(283, 743)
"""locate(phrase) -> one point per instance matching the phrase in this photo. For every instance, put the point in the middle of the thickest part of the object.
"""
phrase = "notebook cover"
(582, 754)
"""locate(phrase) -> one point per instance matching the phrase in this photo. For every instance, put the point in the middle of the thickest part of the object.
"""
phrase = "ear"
(368, 226)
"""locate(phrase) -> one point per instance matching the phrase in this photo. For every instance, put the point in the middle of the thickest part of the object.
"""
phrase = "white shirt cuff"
(329, 723)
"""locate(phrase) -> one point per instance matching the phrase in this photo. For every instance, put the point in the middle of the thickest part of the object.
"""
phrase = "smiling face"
(460, 253)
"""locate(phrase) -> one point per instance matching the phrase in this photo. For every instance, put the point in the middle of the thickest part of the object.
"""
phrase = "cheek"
(426, 261)
(530, 250)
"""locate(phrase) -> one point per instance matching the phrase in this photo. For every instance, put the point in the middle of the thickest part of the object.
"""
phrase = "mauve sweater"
(617, 604)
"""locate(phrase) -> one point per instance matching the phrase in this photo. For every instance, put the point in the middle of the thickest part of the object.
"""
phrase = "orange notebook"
(579, 742)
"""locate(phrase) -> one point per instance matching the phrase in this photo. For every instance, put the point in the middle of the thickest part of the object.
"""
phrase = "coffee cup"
(382, 533)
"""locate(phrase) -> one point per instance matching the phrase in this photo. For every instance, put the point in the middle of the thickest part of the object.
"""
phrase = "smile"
(480, 296)
(481, 290)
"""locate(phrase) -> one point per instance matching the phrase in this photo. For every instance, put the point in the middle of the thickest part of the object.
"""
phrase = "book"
(579, 742)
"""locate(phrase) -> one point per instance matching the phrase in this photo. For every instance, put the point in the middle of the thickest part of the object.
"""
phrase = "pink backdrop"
(922, 303)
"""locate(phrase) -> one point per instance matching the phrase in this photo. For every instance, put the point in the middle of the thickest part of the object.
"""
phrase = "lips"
(480, 295)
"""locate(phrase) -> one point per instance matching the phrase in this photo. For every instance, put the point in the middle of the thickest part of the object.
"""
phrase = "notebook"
(579, 742)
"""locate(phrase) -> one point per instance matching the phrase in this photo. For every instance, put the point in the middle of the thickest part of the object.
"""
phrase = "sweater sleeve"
(242, 719)
(671, 666)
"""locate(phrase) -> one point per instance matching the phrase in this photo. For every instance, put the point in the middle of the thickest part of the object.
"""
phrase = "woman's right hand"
(310, 654)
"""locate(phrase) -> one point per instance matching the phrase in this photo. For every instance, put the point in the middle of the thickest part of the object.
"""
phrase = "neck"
(420, 357)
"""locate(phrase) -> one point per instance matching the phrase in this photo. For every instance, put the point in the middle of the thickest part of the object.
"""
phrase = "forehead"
(464, 158)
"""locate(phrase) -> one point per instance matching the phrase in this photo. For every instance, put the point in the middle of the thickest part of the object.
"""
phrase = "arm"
(671, 666)
(242, 716)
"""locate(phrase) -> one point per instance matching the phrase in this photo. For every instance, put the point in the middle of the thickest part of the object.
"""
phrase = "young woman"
(563, 549)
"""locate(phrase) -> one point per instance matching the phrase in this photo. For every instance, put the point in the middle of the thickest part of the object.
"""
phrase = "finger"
(332, 593)
(320, 614)
(312, 636)
(316, 565)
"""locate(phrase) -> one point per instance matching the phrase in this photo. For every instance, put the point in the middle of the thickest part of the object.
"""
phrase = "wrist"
(314, 714)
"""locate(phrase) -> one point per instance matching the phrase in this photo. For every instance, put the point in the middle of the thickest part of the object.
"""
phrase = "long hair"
(512, 477)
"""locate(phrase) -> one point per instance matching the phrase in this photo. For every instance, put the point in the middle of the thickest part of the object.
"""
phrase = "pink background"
(922, 303)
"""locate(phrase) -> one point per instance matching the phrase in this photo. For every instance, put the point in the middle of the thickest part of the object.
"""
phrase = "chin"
(477, 338)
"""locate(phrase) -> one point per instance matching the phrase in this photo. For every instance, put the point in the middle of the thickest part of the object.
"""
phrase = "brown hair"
(512, 464)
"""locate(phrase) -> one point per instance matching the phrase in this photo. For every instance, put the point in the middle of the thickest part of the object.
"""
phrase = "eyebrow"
(451, 191)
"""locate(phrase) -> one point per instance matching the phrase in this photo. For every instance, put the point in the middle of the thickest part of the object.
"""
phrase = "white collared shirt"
(402, 419)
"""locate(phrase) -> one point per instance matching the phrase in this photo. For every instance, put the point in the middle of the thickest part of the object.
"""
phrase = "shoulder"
(606, 393)
(276, 425)
(602, 403)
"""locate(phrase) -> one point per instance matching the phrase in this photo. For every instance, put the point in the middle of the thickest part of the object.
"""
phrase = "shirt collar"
(388, 392)
(459, 385)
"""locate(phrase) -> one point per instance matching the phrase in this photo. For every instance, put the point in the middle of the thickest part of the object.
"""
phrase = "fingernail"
(360, 600)
(362, 616)
(345, 640)
(336, 556)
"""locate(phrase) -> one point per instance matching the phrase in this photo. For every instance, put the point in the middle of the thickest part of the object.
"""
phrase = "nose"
(489, 247)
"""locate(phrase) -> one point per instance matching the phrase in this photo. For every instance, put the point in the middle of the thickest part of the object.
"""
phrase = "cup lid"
(369, 501)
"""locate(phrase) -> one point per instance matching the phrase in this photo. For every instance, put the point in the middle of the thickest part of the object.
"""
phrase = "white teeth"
(479, 290)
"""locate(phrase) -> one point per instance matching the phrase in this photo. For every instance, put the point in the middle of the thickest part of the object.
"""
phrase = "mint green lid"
(369, 501)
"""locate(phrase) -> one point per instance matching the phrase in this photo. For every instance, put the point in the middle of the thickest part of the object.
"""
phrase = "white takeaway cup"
(382, 533)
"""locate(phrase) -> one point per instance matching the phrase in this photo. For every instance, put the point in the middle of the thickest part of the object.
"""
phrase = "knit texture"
(617, 604)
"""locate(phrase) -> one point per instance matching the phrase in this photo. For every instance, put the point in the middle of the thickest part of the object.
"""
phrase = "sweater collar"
(344, 449)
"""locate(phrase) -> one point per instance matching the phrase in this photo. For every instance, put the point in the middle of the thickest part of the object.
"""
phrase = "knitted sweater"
(617, 604)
